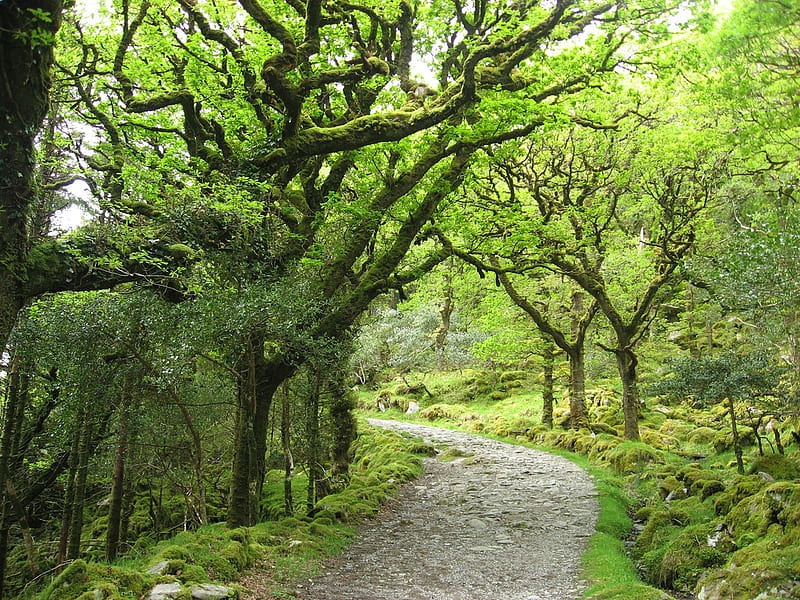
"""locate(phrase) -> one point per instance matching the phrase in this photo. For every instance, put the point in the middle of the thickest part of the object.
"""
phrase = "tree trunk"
(69, 495)
(778, 443)
(197, 492)
(24, 101)
(315, 472)
(344, 429)
(128, 506)
(737, 444)
(548, 357)
(577, 389)
(288, 459)
(258, 381)
(626, 364)
(446, 312)
(117, 487)
(22, 520)
(79, 495)
(4, 531)
(13, 411)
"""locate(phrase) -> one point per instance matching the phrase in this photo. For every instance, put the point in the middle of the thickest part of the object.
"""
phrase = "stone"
(477, 524)
(413, 408)
(208, 591)
(158, 569)
(164, 591)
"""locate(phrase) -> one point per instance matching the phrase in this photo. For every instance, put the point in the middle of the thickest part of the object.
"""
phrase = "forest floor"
(498, 521)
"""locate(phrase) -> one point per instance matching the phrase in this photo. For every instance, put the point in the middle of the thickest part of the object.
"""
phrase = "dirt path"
(510, 523)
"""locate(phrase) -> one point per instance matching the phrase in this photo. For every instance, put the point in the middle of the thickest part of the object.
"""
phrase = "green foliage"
(730, 375)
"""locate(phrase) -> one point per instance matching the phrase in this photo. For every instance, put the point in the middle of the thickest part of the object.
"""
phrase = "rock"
(766, 476)
(164, 591)
(477, 524)
(413, 408)
(158, 569)
(208, 591)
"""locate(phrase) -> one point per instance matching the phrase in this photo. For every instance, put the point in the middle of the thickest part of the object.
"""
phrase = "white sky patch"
(74, 215)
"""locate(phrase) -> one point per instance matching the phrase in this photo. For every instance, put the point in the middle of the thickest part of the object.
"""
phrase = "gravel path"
(508, 523)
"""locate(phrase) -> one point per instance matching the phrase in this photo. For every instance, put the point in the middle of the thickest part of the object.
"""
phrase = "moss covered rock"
(702, 435)
(778, 466)
(630, 457)
(775, 505)
(443, 411)
(723, 439)
(687, 556)
(739, 489)
(69, 584)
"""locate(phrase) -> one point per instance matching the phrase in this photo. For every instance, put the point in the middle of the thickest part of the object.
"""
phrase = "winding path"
(508, 523)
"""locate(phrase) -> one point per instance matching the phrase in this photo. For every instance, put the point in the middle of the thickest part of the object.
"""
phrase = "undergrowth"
(290, 547)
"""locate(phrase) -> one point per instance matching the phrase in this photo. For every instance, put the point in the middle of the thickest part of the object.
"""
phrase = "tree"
(596, 206)
(298, 139)
(727, 377)
(572, 343)
(27, 33)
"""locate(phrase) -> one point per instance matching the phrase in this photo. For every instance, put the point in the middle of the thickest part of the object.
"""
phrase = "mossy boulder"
(384, 400)
(443, 411)
(69, 584)
(513, 375)
(739, 489)
(630, 457)
(767, 570)
(676, 428)
(778, 466)
(687, 556)
(695, 477)
(710, 487)
(97, 580)
(671, 487)
(777, 505)
(723, 439)
(702, 435)
(235, 552)
(661, 526)
(174, 552)
(600, 427)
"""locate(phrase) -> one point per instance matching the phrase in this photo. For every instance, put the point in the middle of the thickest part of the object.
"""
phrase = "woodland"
(566, 222)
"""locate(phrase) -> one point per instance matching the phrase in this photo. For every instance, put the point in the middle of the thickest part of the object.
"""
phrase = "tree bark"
(117, 487)
(24, 101)
(14, 408)
(69, 495)
(344, 428)
(258, 381)
(288, 459)
(577, 389)
(737, 444)
(626, 365)
(548, 357)
(79, 494)
(315, 472)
